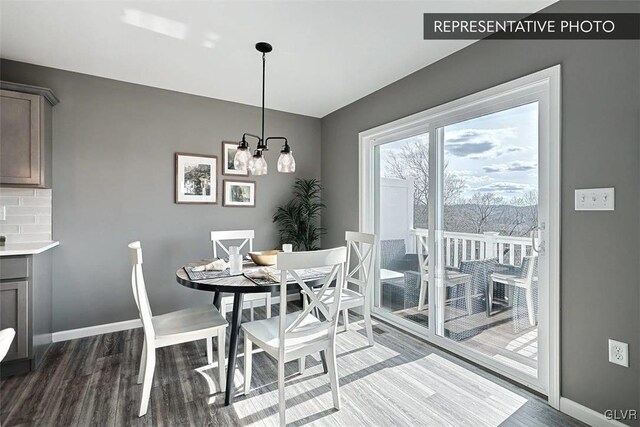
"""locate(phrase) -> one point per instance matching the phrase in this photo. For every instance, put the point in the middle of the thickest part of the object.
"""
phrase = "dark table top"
(232, 284)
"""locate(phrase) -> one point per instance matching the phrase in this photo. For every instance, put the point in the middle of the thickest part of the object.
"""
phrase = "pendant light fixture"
(257, 164)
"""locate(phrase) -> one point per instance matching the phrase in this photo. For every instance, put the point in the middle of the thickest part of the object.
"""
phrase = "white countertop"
(26, 248)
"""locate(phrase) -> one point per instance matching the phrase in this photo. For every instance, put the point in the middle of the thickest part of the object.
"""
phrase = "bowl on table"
(265, 257)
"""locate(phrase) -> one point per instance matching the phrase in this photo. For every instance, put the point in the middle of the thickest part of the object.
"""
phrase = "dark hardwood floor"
(401, 381)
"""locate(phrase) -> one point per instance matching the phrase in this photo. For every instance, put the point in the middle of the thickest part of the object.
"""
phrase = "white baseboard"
(90, 331)
(586, 415)
(125, 325)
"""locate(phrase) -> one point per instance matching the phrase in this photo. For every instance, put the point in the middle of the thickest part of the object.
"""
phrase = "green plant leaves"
(299, 218)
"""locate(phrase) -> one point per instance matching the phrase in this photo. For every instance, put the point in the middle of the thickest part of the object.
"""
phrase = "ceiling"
(326, 54)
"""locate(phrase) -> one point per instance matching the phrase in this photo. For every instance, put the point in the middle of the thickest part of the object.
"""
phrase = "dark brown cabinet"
(25, 135)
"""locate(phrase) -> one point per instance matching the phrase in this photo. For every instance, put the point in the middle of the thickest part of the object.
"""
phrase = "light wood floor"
(400, 382)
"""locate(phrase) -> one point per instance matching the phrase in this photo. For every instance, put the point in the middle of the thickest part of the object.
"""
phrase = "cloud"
(466, 149)
(503, 187)
(478, 143)
(522, 166)
(511, 167)
(514, 149)
(491, 169)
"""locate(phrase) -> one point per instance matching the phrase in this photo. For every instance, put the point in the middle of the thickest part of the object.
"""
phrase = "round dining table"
(238, 286)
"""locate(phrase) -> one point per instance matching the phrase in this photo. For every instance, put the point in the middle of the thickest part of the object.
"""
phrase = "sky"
(495, 153)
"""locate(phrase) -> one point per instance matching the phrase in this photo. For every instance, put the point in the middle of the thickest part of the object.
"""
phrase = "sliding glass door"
(487, 209)
(464, 199)
(402, 202)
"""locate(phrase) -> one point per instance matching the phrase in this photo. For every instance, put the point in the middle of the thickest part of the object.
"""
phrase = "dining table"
(238, 285)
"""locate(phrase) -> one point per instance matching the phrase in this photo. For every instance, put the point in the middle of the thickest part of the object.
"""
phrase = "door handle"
(538, 230)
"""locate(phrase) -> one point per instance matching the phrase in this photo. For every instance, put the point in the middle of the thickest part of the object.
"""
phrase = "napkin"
(266, 273)
(217, 265)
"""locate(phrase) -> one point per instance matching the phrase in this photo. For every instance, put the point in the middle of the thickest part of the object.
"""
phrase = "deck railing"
(469, 246)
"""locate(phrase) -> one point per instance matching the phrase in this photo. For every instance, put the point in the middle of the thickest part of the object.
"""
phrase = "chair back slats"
(288, 263)
(423, 254)
(140, 290)
(218, 239)
(361, 252)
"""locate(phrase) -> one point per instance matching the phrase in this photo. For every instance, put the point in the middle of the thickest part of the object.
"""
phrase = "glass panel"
(402, 182)
(486, 281)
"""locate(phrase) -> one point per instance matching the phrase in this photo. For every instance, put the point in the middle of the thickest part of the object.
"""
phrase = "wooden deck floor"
(401, 381)
(493, 336)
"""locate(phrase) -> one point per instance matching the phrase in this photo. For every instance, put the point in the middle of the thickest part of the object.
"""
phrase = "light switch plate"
(3, 213)
(595, 199)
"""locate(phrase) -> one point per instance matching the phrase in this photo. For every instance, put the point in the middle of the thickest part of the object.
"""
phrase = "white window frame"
(544, 85)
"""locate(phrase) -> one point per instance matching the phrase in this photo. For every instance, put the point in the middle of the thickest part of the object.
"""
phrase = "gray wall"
(113, 182)
(600, 147)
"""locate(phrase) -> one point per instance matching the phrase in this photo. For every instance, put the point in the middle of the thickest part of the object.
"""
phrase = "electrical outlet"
(595, 199)
(619, 353)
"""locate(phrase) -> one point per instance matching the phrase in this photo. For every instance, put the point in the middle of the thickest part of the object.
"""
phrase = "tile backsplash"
(28, 215)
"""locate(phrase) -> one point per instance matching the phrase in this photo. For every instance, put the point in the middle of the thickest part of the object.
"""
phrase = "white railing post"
(490, 238)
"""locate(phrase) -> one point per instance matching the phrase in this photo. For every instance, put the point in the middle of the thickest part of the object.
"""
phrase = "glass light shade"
(241, 159)
(286, 162)
(258, 165)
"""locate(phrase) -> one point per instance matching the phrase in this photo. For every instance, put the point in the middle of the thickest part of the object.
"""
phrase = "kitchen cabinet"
(25, 135)
(25, 305)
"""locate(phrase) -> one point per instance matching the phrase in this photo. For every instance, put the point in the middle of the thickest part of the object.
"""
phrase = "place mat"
(274, 278)
(205, 275)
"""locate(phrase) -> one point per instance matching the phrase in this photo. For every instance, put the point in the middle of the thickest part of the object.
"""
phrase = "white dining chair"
(291, 336)
(190, 324)
(6, 338)
(219, 241)
(361, 252)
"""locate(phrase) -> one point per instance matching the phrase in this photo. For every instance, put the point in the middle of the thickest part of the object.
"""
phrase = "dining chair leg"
(221, 358)
(268, 302)
(468, 297)
(209, 341)
(148, 380)
(333, 375)
(345, 319)
(248, 358)
(281, 396)
(301, 364)
(367, 323)
(323, 359)
(143, 362)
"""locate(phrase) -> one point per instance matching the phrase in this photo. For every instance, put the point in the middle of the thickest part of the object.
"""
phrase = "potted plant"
(299, 219)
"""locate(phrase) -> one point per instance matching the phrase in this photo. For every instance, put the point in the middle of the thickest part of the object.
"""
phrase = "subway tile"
(35, 201)
(28, 210)
(31, 229)
(9, 200)
(17, 192)
(43, 219)
(9, 229)
(22, 219)
(45, 192)
(26, 238)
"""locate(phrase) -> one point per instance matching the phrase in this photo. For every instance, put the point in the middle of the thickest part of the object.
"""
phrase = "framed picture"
(239, 193)
(196, 178)
(228, 153)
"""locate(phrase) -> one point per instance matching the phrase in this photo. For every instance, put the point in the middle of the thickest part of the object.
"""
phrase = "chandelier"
(256, 164)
